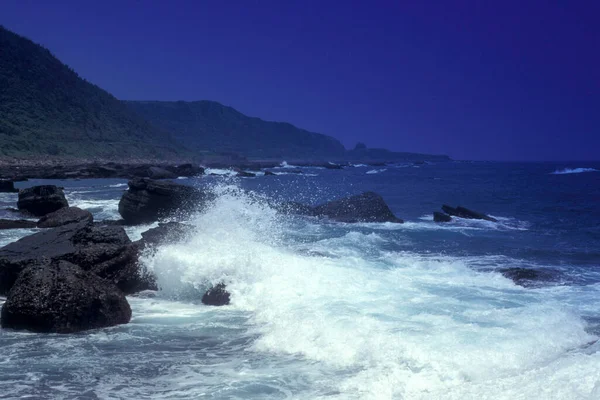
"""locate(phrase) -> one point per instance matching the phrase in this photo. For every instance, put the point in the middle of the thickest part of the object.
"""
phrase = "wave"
(355, 320)
(118, 185)
(376, 171)
(573, 171)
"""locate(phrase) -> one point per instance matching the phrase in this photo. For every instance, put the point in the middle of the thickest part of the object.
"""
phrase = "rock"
(188, 170)
(149, 200)
(441, 217)
(104, 250)
(16, 224)
(365, 207)
(64, 216)
(169, 232)
(60, 297)
(529, 277)
(216, 296)
(160, 173)
(333, 166)
(269, 173)
(244, 174)
(41, 200)
(463, 212)
(7, 186)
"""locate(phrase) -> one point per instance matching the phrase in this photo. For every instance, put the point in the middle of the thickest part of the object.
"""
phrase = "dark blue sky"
(484, 80)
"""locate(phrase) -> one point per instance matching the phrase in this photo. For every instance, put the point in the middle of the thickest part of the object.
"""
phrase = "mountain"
(208, 125)
(47, 109)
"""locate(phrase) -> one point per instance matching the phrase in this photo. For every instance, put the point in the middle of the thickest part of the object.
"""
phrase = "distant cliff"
(209, 125)
(47, 109)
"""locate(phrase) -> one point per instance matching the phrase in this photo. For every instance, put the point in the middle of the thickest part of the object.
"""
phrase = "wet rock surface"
(64, 216)
(41, 200)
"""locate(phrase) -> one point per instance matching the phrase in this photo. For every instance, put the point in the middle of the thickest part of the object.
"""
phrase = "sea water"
(324, 310)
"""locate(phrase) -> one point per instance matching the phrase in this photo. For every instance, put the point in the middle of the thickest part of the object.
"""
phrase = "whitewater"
(323, 310)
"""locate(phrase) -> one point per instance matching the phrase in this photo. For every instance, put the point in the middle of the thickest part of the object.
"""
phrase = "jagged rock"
(149, 200)
(7, 186)
(16, 224)
(41, 200)
(61, 297)
(463, 212)
(64, 216)
(169, 232)
(365, 207)
(103, 250)
(160, 173)
(216, 296)
(441, 217)
(529, 277)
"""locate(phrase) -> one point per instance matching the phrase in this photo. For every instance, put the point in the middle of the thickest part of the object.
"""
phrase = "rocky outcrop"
(365, 207)
(7, 186)
(529, 277)
(41, 200)
(441, 217)
(216, 296)
(61, 297)
(16, 224)
(103, 250)
(64, 216)
(148, 200)
(160, 173)
(463, 212)
(169, 232)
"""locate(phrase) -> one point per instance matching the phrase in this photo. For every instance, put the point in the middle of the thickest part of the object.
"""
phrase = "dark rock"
(60, 297)
(189, 170)
(269, 173)
(529, 277)
(149, 200)
(160, 173)
(169, 232)
(463, 212)
(103, 250)
(441, 217)
(365, 207)
(16, 224)
(41, 200)
(244, 174)
(65, 216)
(333, 166)
(7, 187)
(216, 296)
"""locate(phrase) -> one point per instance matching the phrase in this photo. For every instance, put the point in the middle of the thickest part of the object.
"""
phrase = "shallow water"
(339, 311)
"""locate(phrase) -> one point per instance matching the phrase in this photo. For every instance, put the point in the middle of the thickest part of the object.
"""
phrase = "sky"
(477, 80)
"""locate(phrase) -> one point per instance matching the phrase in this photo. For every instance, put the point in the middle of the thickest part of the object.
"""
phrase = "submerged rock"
(365, 207)
(7, 186)
(216, 296)
(441, 217)
(61, 297)
(529, 277)
(64, 216)
(16, 224)
(149, 200)
(103, 250)
(41, 200)
(463, 212)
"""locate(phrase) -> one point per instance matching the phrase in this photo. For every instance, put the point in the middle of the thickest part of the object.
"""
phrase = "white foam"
(375, 324)
(573, 171)
(219, 171)
(118, 185)
(376, 171)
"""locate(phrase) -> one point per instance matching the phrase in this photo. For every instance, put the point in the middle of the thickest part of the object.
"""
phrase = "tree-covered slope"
(47, 109)
(209, 125)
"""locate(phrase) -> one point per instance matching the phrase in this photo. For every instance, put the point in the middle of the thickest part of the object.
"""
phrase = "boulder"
(41, 200)
(104, 250)
(160, 173)
(64, 216)
(169, 232)
(463, 212)
(60, 297)
(365, 207)
(441, 217)
(16, 224)
(216, 296)
(7, 186)
(148, 200)
(529, 277)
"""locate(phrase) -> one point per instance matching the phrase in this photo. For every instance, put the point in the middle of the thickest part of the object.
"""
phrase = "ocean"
(325, 310)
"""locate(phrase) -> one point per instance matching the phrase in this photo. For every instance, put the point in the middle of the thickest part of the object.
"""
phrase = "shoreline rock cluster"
(459, 212)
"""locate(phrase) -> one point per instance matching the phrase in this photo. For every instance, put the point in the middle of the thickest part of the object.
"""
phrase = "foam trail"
(358, 322)
(567, 171)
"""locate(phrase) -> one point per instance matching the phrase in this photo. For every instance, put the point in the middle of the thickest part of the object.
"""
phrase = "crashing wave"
(573, 171)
